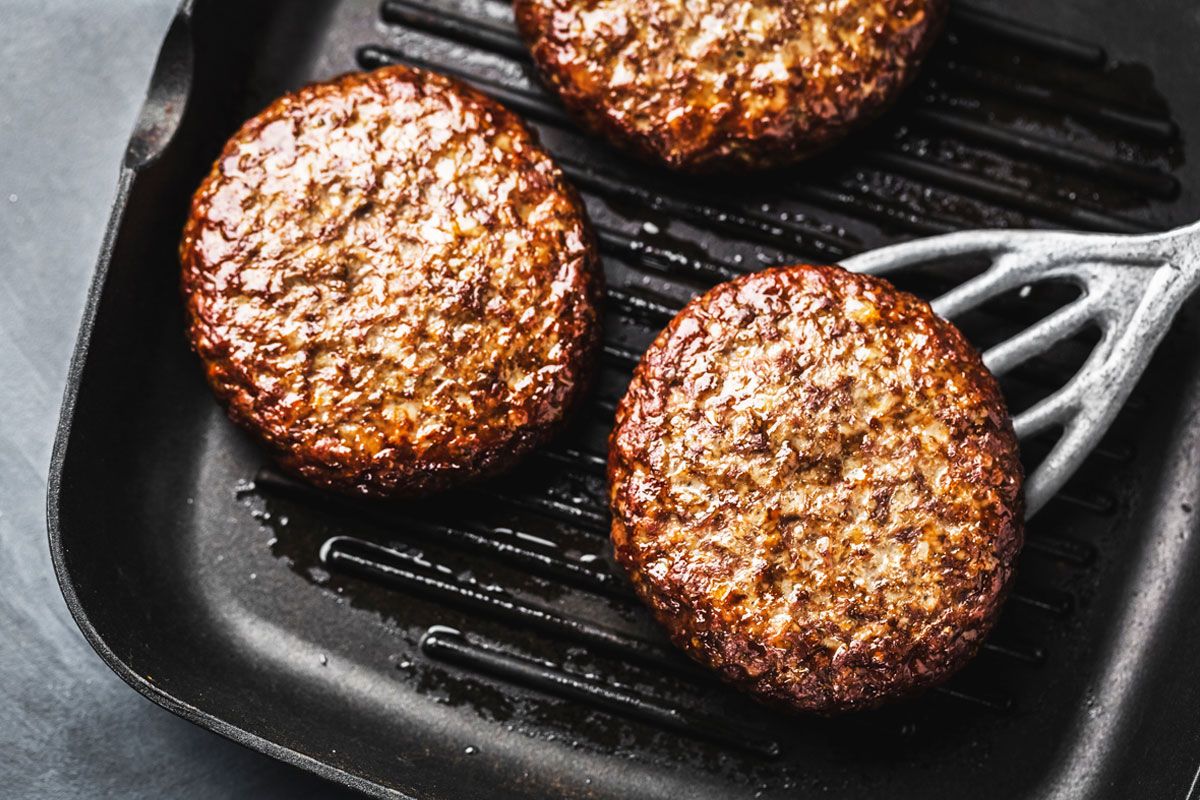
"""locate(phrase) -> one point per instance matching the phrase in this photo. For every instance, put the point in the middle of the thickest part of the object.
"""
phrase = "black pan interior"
(302, 626)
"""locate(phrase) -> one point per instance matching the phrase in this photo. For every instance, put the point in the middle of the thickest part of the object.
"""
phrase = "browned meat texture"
(728, 84)
(389, 281)
(815, 485)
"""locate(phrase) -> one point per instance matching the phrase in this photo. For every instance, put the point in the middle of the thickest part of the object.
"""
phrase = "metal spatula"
(1132, 287)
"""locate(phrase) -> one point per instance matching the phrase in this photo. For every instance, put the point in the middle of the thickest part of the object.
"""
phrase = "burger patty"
(725, 84)
(815, 486)
(388, 280)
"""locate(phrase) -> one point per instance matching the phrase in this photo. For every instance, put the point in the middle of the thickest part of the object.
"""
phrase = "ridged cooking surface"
(1008, 126)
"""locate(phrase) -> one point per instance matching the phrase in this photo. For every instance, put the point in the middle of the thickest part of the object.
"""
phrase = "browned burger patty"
(723, 84)
(815, 486)
(388, 280)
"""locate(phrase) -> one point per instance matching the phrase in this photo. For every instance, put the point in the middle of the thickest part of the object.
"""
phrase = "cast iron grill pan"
(482, 643)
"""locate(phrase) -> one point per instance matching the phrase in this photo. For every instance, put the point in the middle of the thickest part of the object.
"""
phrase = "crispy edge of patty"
(738, 658)
(390, 478)
(734, 146)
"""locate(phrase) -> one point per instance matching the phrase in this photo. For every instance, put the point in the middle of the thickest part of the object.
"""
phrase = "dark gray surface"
(74, 76)
(68, 728)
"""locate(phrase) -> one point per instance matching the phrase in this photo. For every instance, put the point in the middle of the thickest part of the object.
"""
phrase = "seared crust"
(388, 280)
(727, 84)
(815, 486)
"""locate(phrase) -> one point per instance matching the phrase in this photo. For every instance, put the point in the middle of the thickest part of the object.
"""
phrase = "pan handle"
(167, 96)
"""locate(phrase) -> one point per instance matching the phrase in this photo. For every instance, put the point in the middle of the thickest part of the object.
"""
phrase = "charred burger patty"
(815, 486)
(389, 281)
(725, 84)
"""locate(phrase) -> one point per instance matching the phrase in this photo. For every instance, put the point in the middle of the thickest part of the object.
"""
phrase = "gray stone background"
(72, 76)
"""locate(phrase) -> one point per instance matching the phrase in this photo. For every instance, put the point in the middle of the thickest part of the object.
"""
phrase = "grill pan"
(481, 643)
